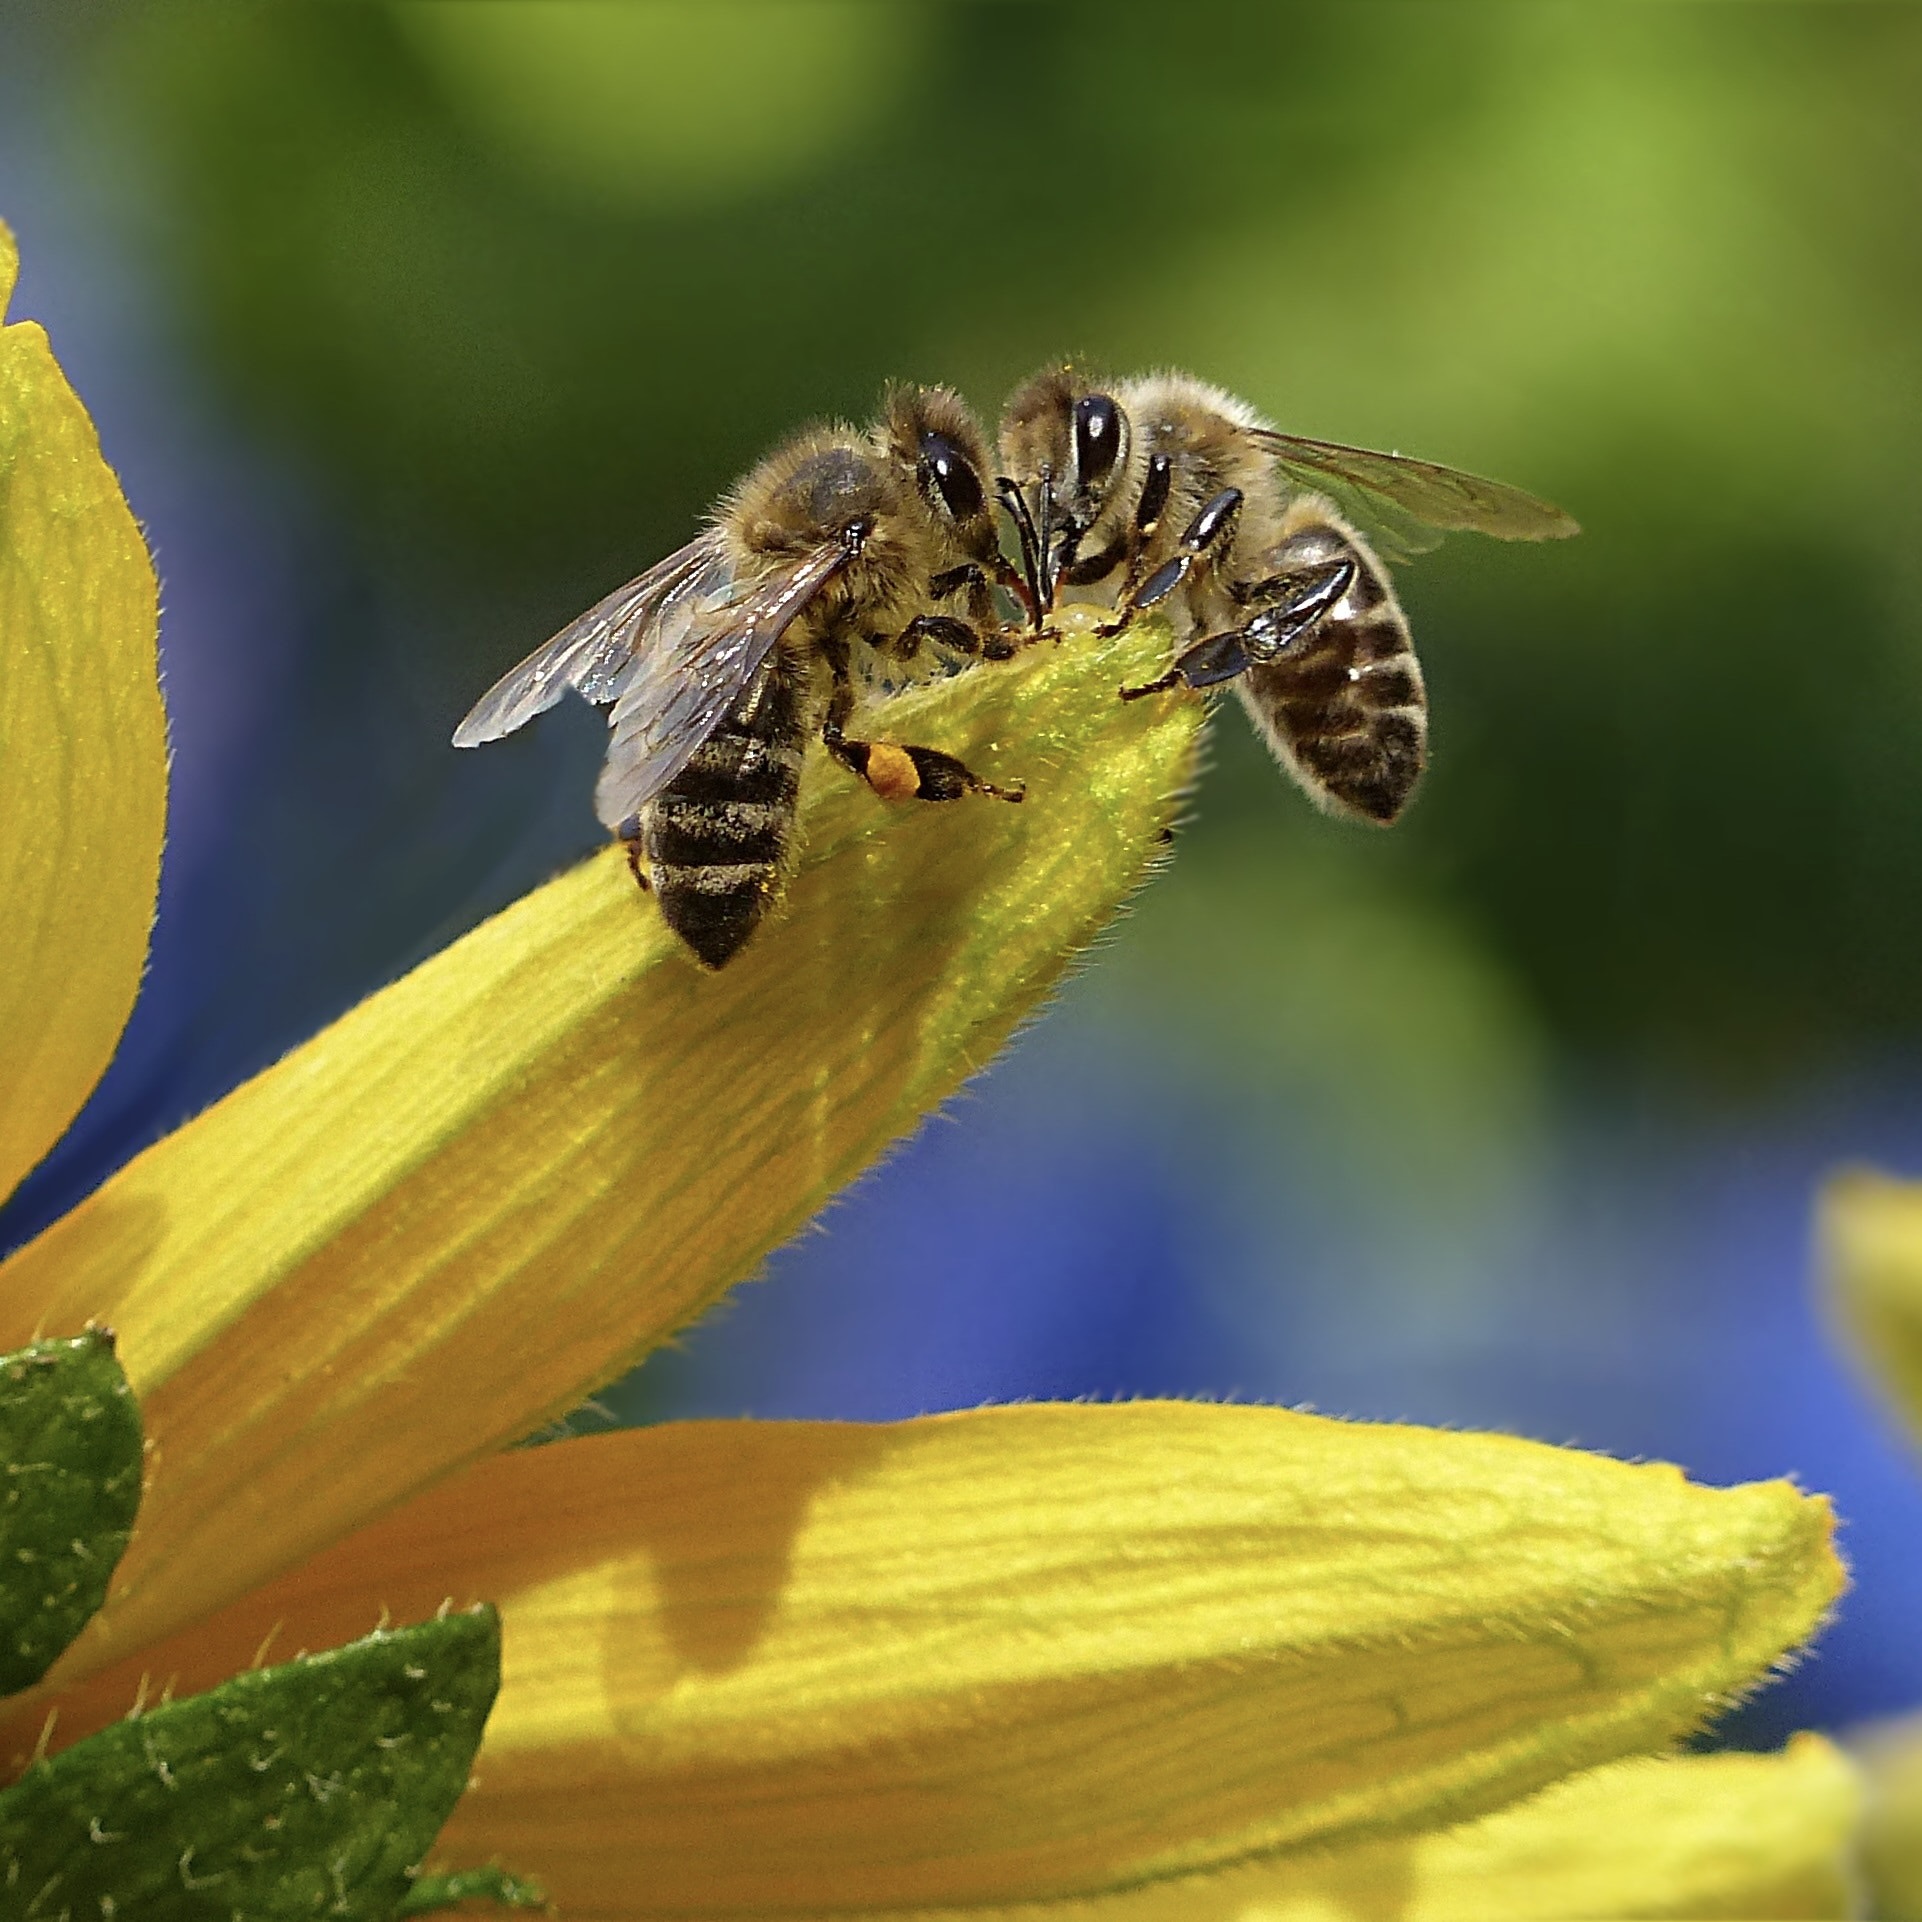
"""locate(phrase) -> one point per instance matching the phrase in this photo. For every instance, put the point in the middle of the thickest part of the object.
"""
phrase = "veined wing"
(1436, 496)
(596, 653)
(706, 652)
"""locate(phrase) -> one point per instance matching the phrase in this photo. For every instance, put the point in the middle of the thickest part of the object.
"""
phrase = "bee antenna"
(1017, 510)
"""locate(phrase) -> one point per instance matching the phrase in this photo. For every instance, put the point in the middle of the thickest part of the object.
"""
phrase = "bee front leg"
(949, 630)
(970, 578)
(1014, 582)
(897, 771)
(1127, 551)
(938, 630)
(1207, 539)
(989, 638)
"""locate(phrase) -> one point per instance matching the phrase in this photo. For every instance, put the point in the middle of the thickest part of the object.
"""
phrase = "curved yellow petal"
(1891, 1757)
(1870, 1233)
(489, 1188)
(1038, 1652)
(1762, 1838)
(83, 749)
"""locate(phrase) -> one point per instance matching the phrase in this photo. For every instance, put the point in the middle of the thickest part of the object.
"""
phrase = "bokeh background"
(412, 329)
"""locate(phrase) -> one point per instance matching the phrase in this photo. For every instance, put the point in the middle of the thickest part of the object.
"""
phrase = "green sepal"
(70, 1449)
(312, 1789)
(435, 1892)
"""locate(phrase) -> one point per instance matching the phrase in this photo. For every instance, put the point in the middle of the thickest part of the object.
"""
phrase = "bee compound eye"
(1097, 439)
(953, 476)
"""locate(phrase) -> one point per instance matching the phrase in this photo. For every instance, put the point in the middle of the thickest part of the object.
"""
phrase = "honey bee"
(1173, 491)
(721, 661)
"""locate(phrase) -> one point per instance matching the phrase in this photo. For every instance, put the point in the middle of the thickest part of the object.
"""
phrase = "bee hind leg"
(1293, 604)
(894, 770)
(636, 860)
(900, 771)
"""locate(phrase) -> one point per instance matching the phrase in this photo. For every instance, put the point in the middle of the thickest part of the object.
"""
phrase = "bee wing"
(596, 653)
(705, 653)
(1397, 487)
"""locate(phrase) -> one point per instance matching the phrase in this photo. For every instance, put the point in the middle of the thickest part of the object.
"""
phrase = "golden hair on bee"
(719, 663)
(1162, 491)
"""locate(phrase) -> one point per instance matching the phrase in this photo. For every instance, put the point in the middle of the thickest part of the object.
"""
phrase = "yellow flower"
(1870, 1234)
(1891, 1755)
(1015, 1656)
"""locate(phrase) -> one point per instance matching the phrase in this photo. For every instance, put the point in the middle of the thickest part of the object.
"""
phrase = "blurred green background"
(416, 328)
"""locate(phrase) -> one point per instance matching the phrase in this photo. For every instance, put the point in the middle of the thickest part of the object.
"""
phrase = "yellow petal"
(1693, 1838)
(1891, 1757)
(83, 749)
(492, 1186)
(1870, 1231)
(1037, 1652)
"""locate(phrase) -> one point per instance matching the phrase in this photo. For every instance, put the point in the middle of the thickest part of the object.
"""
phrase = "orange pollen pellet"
(891, 772)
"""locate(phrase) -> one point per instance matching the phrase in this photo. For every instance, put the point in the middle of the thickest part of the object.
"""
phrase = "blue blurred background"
(412, 329)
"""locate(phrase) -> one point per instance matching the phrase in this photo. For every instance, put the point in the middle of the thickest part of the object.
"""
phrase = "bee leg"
(1085, 569)
(1146, 523)
(1014, 582)
(970, 577)
(998, 642)
(939, 630)
(1025, 582)
(636, 862)
(1206, 540)
(899, 771)
(1075, 569)
(1171, 679)
(896, 772)
(903, 772)
(1288, 604)
(1218, 658)
(1296, 602)
(947, 630)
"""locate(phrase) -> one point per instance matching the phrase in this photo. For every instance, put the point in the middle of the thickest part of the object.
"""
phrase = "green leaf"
(434, 1892)
(70, 1445)
(311, 1789)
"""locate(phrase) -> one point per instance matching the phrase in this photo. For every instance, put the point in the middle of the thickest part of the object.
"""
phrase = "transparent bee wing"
(1398, 489)
(704, 652)
(596, 653)
(1394, 533)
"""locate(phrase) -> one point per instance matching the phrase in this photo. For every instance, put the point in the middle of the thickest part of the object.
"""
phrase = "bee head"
(935, 445)
(1064, 444)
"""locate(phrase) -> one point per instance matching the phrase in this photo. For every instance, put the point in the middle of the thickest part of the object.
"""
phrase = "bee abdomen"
(689, 833)
(1345, 710)
(716, 838)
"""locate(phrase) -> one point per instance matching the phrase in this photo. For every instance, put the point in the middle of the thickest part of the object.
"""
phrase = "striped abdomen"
(716, 837)
(1343, 708)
